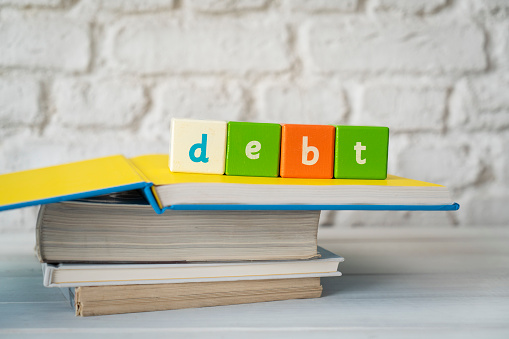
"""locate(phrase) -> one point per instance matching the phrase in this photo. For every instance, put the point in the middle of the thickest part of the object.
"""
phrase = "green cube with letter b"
(253, 149)
(361, 152)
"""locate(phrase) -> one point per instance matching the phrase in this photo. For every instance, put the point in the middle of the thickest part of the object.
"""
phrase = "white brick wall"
(87, 78)
(402, 46)
(100, 103)
(19, 101)
(408, 7)
(159, 45)
(51, 43)
(405, 108)
(320, 103)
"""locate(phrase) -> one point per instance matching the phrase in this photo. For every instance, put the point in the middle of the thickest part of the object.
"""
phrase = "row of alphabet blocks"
(270, 150)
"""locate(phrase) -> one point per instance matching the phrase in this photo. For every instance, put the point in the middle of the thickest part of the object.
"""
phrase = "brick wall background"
(82, 79)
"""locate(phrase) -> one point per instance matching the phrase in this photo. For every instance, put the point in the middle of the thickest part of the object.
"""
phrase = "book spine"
(152, 198)
(38, 234)
(148, 190)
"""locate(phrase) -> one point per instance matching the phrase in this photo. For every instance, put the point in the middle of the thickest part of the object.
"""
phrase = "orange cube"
(307, 151)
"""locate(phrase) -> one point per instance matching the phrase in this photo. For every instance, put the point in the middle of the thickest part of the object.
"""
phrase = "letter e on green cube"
(361, 152)
(253, 149)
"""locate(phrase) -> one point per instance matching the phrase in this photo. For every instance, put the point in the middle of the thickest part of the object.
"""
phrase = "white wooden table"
(396, 284)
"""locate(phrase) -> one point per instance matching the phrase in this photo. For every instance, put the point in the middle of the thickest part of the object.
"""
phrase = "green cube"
(253, 149)
(361, 152)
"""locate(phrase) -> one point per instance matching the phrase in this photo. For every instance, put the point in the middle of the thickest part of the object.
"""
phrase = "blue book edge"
(75, 196)
(146, 188)
(232, 207)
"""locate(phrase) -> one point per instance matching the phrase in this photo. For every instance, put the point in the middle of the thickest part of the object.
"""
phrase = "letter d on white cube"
(197, 146)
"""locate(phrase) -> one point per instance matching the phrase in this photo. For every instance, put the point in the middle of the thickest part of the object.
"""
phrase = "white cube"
(198, 146)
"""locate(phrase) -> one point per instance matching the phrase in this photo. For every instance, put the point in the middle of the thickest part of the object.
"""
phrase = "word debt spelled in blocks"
(271, 150)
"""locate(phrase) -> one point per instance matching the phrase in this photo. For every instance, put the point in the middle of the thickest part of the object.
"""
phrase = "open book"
(183, 191)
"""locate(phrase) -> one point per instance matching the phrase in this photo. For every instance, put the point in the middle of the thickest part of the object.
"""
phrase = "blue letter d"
(203, 150)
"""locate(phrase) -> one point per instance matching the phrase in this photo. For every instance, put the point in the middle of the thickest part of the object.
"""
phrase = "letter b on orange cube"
(307, 151)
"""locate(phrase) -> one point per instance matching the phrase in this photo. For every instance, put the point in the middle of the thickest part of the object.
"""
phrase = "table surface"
(397, 283)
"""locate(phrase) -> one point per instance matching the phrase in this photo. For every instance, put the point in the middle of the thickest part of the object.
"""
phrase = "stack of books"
(116, 255)
(221, 240)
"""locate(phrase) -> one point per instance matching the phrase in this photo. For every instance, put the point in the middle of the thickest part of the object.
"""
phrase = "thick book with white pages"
(123, 228)
(74, 275)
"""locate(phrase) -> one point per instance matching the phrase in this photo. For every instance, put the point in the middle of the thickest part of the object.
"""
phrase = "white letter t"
(358, 149)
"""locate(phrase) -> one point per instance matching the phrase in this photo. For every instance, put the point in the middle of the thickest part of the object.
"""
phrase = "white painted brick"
(485, 210)
(499, 147)
(22, 220)
(137, 5)
(403, 108)
(316, 104)
(196, 101)
(19, 101)
(505, 164)
(480, 104)
(397, 46)
(23, 152)
(90, 11)
(409, 7)
(314, 6)
(504, 45)
(99, 103)
(227, 6)
(155, 46)
(31, 3)
(52, 43)
(453, 162)
(490, 93)
(208, 101)
(7, 131)
(498, 48)
(495, 8)
(62, 145)
(398, 142)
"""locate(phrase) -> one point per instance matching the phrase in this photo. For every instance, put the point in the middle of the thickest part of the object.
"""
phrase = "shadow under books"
(345, 284)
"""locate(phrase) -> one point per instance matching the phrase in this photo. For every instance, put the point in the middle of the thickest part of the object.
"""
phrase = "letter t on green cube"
(253, 149)
(361, 152)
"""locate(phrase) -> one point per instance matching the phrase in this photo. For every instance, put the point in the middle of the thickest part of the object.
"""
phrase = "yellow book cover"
(155, 168)
(164, 189)
(68, 182)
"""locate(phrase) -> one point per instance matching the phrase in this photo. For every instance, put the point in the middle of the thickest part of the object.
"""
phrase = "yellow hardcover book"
(184, 191)
(69, 182)
(155, 168)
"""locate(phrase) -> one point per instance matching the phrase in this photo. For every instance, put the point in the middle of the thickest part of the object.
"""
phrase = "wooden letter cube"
(253, 149)
(307, 151)
(197, 146)
(361, 152)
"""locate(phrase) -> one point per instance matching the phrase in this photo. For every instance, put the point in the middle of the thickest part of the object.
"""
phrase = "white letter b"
(306, 149)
